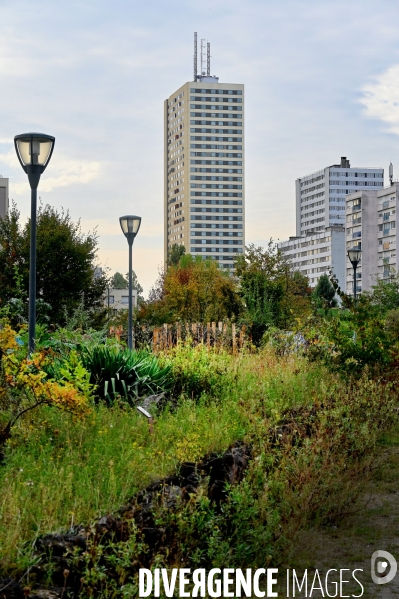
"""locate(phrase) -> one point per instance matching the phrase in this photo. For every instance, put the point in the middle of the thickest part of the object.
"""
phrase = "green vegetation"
(118, 281)
(64, 276)
(308, 401)
(124, 374)
(175, 253)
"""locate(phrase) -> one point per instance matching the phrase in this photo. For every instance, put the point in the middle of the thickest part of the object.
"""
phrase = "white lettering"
(319, 588)
(243, 583)
(227, 582)
(304, 582)
(341, 581)
(199, 582)
(169, 588)
(156, 582)
(216, 590)
(183, 581)
(145, 592)
(271, 582)
(257, 591)
(335, 584)
(358, 581)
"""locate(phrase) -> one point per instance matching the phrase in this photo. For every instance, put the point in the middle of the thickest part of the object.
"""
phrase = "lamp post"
(354, 255)
(130, 226)
(34, 151)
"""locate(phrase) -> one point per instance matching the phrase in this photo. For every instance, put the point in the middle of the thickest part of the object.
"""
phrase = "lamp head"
(130, 226)
(34, 149)
(354, 255)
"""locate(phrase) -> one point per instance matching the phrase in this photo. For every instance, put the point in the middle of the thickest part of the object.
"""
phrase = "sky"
(321, 81)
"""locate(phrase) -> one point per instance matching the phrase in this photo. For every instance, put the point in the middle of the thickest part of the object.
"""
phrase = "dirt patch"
(373, 525)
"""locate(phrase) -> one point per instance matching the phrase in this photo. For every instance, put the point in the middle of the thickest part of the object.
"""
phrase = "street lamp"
(34, 151)
(130, 226)
(354, 255)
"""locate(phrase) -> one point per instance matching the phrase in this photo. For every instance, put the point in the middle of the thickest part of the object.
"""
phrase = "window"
(125, 299)
(111, 299)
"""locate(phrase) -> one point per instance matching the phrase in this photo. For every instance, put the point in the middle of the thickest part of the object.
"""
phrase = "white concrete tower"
(204, 198)
(320, 196)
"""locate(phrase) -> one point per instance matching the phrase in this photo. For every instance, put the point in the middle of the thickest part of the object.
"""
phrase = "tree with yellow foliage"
(199, 291)
(24, 384)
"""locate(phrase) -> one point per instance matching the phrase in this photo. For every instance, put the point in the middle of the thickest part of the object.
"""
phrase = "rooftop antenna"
(391, 173)
(203, 40)
(208, 59)
(195, 57)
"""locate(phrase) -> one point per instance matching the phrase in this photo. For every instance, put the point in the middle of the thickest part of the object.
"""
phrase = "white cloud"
(64, 172)
(69, 172)
(9, 158)
(381, 98)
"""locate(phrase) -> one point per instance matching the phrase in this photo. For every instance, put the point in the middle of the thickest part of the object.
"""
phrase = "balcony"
(356, 235)
(356, 207)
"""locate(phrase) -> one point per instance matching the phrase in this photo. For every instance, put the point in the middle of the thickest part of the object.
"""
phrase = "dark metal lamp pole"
(354, 255)
(34, 151)
(130, 226)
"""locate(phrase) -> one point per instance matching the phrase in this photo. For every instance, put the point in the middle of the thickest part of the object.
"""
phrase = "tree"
(25, 384)
(385, 293)
(199, 291)
(118, 281)
(274, 294)
(66, 263)
(324, 293)
(175, 253)
(157, 291)
(194, 291)
(136, 285)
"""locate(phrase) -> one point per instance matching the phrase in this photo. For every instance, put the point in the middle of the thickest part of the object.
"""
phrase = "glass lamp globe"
(354, 255)
(130, 225)
(34, 149)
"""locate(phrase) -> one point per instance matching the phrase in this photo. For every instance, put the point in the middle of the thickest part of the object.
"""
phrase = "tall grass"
(60, 471)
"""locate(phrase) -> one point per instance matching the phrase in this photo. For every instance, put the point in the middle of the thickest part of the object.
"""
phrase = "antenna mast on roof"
(203, 40)
(391, 173)
(195, 57)
(208, 59)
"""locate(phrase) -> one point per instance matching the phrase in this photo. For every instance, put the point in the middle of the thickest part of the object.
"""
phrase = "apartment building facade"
(4, 199)
(318, 254)
(320, 196)
(118, 299)
(371, 227)
(204, 198)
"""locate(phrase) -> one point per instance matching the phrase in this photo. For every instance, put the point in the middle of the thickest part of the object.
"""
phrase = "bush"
(196, 370)
(125, 374)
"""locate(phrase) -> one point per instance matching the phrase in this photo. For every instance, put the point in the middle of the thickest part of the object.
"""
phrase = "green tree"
(385, 293)
(136, 285)
(118, 281)
(175, 253)
(66, 263)
(274, 294)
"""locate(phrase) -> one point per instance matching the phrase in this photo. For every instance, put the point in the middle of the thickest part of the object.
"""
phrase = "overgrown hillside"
(309, 439)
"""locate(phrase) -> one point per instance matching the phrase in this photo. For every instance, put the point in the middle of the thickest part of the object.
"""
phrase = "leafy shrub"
(25, 385)
(197, 370)
(124, 373)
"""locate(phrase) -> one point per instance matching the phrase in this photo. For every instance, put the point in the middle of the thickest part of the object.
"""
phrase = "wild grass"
(60, 471)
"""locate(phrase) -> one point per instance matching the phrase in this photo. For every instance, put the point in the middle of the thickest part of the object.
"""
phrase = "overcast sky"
(321, 81)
